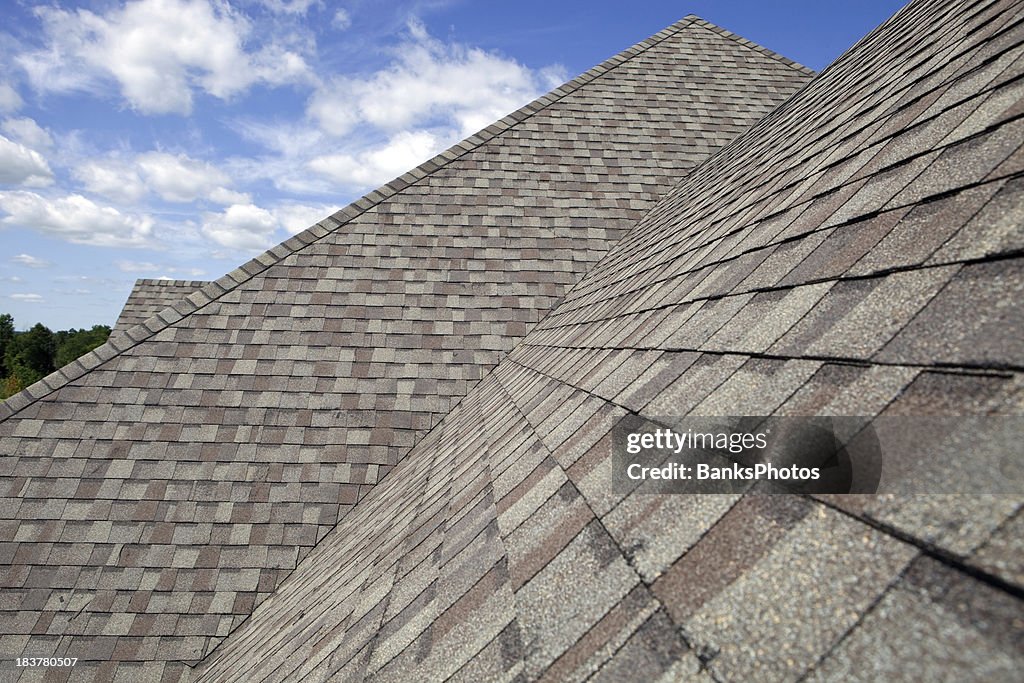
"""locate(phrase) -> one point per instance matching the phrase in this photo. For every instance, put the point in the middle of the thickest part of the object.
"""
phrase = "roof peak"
(725, 33)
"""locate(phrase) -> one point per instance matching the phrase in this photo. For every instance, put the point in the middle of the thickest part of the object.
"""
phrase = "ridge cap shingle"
(199, 299)
(168, 282)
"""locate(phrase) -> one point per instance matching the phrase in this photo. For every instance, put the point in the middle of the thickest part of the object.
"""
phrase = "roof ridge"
(870, 35)
(725, 33)
(168, 281)
(210, 291)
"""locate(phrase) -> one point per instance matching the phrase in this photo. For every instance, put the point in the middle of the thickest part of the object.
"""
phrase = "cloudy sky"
(179, 138)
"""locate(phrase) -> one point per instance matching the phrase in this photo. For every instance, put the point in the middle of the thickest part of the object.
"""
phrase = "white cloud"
(378, 165)
(113, 178)
(178, 178)
(21, 165)
(241, 226)
(382, 124)
(28, 298)
(297, 7)
(222, 195)
(30, 261)
(293, 145)
(75, 218)
(27, 132)
(158, 52)
(335, 108)
(449, 84)
(285, 138)
(297, 217)
(173, 177)
(431, 96)
(10, 100)
(137, 266)
(341, 20)
(148, 267)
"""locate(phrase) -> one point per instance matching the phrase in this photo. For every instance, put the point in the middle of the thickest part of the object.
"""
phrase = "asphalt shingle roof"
(210, 487)
(857, 252)
(160, 488)
(149, 297)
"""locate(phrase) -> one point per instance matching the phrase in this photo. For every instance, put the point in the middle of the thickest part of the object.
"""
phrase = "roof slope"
(149, 297)
(859, 252)
(159, 488)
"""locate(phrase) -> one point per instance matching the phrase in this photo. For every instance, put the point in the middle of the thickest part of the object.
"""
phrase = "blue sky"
(179, 138)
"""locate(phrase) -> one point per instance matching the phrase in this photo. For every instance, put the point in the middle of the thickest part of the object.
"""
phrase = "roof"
(160, 488)
(149, 297)
(857, 252)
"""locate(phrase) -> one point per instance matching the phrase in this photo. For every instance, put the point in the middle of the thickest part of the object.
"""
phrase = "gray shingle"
(934, 618)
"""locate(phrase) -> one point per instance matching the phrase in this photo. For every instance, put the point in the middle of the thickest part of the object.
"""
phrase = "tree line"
(26, 357)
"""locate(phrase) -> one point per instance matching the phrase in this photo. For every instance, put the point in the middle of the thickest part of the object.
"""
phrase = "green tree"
(74, 343)
(9, 386)
(6, 337)
(29, 356)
